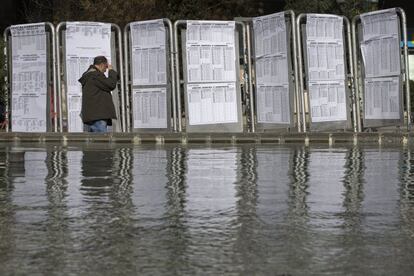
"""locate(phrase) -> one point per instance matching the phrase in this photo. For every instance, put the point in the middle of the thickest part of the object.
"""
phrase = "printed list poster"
(149, 58)
(211, 72)
(84, 41)
(150, 107)
(149, 74)
(29, 79)
(272, 70)
(326, 67)
(381, 54)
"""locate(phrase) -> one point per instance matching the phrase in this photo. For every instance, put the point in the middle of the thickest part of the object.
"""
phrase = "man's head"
(101, 63)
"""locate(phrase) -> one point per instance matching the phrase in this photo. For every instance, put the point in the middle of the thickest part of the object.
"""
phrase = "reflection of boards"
(14, 164)
(210, 190)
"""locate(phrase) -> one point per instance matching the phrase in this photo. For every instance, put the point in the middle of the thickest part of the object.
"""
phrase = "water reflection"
(247, 200)
(381, 185)
(106, 220)
(149, 199)
(352, 246)
(299, 177)
(298, 237)
(97, 170)
(7, 247)
(56, 178)
(353, 181)
(211, 207)
(56, 222)
(324, 200)
(176, 237)
(407, 191)
(219, 210)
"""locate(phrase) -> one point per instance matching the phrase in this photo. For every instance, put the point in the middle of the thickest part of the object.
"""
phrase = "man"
(97, 106)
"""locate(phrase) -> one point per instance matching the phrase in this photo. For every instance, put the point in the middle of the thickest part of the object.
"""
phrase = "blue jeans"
(98, 126)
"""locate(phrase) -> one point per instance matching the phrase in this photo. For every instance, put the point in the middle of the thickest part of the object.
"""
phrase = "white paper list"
(327, 101)
(149, 60)
(382, 98)
(29, 80)
(324, 27)
(271, 69)
(273, 104)
(150, 107)
(84, 41)
(270, 35)
(380, 44)
(326, 68)
(325, 50)
(212, 103)
(325, 61)
(379, 24)
(210, 51)
(380, 47)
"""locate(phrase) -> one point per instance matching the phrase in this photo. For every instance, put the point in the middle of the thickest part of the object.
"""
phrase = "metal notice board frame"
(181, 25)
(117, 62)
(52, 117)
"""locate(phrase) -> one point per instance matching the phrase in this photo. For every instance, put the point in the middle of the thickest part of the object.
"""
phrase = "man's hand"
(110, 67)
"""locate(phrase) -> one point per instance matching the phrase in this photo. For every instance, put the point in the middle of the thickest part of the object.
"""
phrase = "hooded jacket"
(97, 101)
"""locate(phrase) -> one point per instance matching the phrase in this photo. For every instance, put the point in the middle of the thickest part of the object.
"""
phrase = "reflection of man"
(97, 105)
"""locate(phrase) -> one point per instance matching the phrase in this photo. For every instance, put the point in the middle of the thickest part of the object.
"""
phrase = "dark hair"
(99, 60)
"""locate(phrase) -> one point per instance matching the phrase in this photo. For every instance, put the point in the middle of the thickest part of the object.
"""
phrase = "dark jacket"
(97, 101)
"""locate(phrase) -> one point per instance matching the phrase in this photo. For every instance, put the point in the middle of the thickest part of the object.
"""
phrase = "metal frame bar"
(177, 74)
(348, 75)
(118, 31)
(248, 83)
(128, 82)
(58, 67)
(300, 68)
(173, 87)
(53, 75)
(6, 77)
(357, 77)
(121, 73)
(249, 79)
(296, 70)
(406, 65)
(127, 79)
(179, 23)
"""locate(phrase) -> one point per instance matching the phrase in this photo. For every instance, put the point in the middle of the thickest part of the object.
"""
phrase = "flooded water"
(225, 210)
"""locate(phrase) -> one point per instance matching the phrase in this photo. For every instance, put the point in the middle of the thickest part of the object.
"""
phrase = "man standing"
(97, 106)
